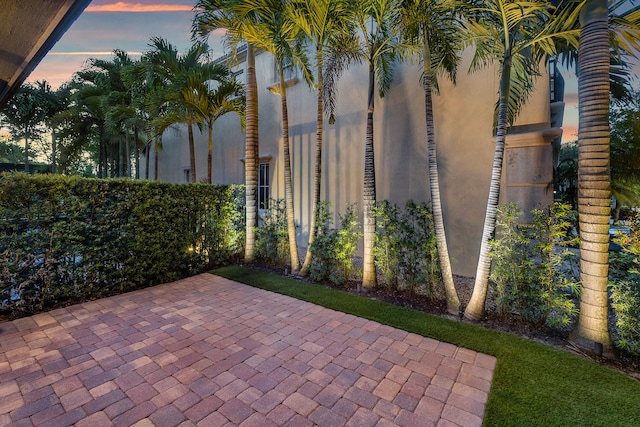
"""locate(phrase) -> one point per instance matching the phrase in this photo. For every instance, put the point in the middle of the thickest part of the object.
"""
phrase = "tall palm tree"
(273, 31)
(102, 83)
(594, 180)
(220, 14)
(211, 104)
(379, 23)
(323, 22)
(594, 192)
(519, 35)
(433, 26)
(87, 116)
(57, 103)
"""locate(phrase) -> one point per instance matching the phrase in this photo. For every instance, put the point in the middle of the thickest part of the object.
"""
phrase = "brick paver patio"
(208, 351)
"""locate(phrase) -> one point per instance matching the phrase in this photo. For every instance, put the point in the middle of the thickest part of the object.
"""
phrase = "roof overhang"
(29, 30)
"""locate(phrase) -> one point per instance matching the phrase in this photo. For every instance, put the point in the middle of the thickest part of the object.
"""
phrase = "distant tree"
(625, 160)
(625, 153)
(565, 174)
(23, 115)
(176, 69)
(10, 152)
(103, 103)
(55, 103)
(209, 104)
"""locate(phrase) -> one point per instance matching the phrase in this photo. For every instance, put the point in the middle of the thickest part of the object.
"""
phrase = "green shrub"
(625, 288)
(405, 250)
(388, 243)
(333, 249)
(272, 238)
(526, 272)
(68, 239)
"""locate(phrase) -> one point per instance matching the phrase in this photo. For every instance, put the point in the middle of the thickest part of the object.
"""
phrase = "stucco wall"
(463, 121)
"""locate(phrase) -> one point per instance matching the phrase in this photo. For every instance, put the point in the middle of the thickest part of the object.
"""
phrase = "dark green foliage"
(272, 239)
(333, 249)
(526, 274)
(565, 174)
(406, 251)
(67, 239)
(625, 288)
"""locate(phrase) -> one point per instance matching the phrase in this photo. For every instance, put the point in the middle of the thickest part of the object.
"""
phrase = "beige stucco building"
(464, 132)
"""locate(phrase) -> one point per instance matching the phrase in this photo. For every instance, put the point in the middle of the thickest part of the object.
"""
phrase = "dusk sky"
(107, 25)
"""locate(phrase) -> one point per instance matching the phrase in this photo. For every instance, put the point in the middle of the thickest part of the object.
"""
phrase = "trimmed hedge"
(70, 239)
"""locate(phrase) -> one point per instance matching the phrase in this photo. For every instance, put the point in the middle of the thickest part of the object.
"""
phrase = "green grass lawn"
(533, 384)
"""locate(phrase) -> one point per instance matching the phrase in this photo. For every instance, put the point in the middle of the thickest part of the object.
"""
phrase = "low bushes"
(405, 250)
(68, 239)
(625, 288)
(333, 249)
(527, 258)
(272, 238)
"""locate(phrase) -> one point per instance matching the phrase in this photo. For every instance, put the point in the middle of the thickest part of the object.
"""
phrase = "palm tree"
(211, 104)
(519, 35)
(85, 120)
(216, 14)
(273, 31)
(324, 22)
(278, 35)
(175, 69)
(432, 25)
(379, 23)
(57, 102)
(594, 180)
(102, 89)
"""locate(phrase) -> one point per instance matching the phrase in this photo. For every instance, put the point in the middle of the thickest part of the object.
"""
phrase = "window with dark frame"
(263, 186)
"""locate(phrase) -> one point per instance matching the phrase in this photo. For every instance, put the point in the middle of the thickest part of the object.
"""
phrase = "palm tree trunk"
(26, 155)
(251, 157)
(155, 176)
(101, 156)
(594, 190)
(54, 154)
(120, 156)
(147, 157)
(318, 170)
(475, 309)
(192, 151)
(288, 185)
(210, 154)
(369, 194)
(136, 142)
(453, 302)
(112, 156)
(127, 153)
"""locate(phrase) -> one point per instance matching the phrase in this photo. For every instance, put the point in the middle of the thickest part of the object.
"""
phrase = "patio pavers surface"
(208, 351)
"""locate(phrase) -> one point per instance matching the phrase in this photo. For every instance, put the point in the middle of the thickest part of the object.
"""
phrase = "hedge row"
(70, 239)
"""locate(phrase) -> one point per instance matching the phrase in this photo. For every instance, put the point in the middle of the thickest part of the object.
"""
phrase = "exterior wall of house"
(464, 132)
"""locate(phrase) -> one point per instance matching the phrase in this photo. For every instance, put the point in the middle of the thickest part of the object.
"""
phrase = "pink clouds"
(138, 7)
(90, 53)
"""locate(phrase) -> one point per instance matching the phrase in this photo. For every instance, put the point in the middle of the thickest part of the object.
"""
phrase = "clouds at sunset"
(122, 6)
(106, 25)
(87, 53)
